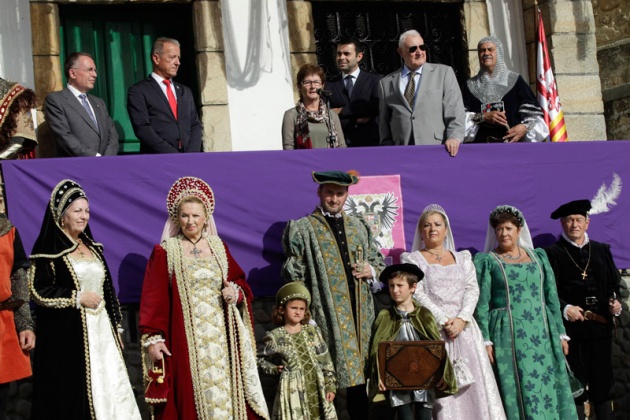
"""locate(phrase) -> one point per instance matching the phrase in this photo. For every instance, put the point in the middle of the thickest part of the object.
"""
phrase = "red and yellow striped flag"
(548, 89)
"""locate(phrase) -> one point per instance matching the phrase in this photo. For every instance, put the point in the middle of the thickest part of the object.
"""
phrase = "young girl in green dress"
(298, 353)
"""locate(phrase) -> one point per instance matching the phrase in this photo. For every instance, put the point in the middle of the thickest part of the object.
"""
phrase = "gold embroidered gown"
(212, 372)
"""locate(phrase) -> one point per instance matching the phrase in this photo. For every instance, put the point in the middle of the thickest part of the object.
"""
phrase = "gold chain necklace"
(81, 253)
(584, 275)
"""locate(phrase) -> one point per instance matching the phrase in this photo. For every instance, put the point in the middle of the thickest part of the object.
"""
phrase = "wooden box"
(408, 365)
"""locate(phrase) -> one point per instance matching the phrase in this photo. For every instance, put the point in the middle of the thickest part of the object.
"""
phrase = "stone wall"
(571, 42)
(612, 21)
(621, 353)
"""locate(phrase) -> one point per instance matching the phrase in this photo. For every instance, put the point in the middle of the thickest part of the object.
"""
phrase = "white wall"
(16, 52)
(258, 71)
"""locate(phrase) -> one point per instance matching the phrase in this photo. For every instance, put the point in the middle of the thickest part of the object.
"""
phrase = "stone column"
(570, 30)
(612, 20)
(215, 113)
(621, 352)
(45, 32)
(301, 36)
(476, 26)
(46, 65)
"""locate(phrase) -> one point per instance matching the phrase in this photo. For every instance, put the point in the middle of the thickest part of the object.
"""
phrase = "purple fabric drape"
(257, 192)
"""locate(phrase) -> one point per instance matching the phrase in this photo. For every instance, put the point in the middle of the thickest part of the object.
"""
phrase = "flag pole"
(546, 87)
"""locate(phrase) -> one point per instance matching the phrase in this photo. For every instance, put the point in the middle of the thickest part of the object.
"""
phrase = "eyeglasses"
(314, 83)
(413, 49)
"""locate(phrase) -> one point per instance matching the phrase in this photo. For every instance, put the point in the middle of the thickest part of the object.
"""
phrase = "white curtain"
(16, 52)
(506, 23)
(258, 67)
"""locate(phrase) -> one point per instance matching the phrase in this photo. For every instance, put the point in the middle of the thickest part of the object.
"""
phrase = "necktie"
(85, 104)
(410, 90)
(171, 97)
(349, 85)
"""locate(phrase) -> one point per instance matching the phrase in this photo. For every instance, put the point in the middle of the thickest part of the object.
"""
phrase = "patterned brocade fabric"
(208, 332)
(307, 375)
(519, 312)
(313, 256)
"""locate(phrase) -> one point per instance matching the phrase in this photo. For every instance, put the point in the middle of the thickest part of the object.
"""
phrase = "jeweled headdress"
(64, 194)
(53, 241)
(524, 238)
(511, 210)
(189, 186)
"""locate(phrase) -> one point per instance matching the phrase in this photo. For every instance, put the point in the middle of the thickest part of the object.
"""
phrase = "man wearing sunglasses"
(421, 103)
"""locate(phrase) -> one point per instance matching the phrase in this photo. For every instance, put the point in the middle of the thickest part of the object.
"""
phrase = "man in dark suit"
(80, 123)
(421, 103)
(162, 111)
(588, 288)
(355, 96)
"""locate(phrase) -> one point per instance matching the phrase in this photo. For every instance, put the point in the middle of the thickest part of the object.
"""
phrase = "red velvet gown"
(179, 309)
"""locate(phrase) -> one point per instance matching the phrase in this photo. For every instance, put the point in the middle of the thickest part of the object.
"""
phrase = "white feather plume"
(605, 197)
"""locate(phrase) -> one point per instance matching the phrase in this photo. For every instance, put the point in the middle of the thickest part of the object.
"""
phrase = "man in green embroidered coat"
(336, 257)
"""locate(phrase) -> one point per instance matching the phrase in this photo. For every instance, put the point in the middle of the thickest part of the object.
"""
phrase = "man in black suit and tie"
(80, 123)
(355, 96)
(163, 112)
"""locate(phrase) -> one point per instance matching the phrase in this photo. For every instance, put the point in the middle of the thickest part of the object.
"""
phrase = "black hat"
(405, 268)
(335, 177)
(573, 207)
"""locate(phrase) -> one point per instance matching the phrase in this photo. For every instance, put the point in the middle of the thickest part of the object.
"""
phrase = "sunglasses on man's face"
(415, 47)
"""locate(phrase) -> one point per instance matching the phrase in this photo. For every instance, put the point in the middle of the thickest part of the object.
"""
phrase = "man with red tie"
(162, 111)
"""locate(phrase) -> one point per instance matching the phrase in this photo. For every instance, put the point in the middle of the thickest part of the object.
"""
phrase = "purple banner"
(257, 192)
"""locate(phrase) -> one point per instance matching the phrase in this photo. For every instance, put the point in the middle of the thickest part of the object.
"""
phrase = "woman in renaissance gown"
(195, 316)
(449, 290)
(519, 316)
(79, 372)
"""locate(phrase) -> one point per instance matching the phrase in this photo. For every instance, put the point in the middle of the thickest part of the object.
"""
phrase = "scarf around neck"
(302, 133)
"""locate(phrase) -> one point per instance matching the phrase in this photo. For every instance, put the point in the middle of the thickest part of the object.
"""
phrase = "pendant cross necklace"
(194, 251)
(584, 275)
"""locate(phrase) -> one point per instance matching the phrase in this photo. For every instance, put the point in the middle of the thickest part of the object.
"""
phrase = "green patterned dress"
(307, 376)
(519, 311)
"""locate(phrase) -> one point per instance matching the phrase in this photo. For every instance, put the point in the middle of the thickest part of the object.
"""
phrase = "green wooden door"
(119, 38)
